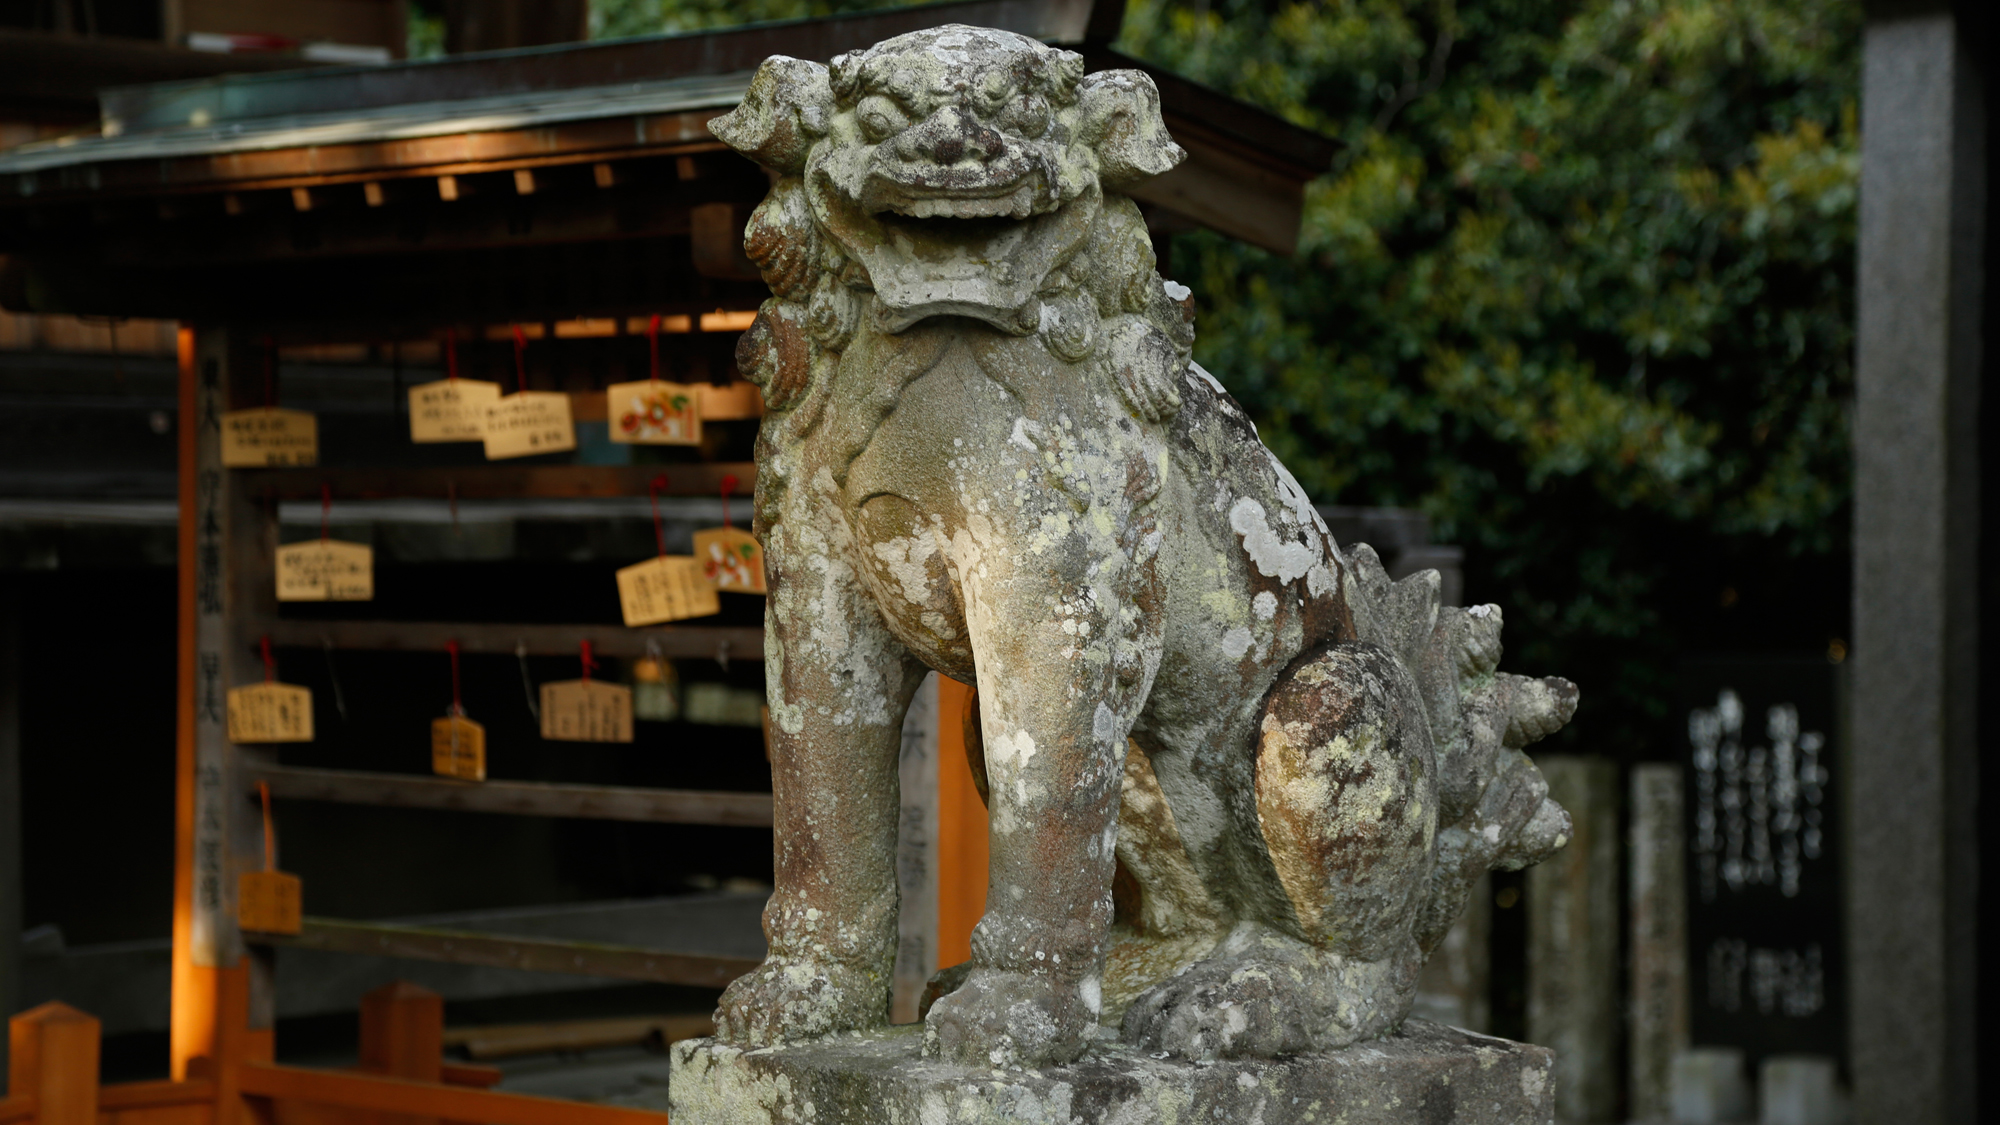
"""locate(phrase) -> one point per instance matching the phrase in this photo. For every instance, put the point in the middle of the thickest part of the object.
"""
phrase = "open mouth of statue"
(947, 197)
(951, 228)
(956, 241)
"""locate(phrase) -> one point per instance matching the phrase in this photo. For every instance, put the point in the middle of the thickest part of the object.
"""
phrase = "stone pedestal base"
(1425, 1074)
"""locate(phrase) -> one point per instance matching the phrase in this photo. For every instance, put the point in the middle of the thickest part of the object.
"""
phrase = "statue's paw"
(796, 999)
(1267, 995)
(1012, 1021)
(1225, 1008)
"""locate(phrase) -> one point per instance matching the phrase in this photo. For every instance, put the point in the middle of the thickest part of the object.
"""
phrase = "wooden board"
(270, 712)
(654, 413)
(267, 437)
(500, 482)
(325, 570)
(586, 711)
(667, 588)
(467, 947)
(384, 1094)
(520, 798)
(499, 1041)
(451, 409)
(732, 558)
(671, 642)
(528, 423)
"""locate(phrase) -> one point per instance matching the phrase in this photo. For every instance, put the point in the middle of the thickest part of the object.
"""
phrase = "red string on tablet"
(729, 483)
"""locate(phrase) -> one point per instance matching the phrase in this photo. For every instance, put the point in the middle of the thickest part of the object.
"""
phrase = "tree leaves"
(1585, 298)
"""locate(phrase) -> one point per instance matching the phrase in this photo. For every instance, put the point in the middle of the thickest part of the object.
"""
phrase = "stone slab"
(1425, 1073)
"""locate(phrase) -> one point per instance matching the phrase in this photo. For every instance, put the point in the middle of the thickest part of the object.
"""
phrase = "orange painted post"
(192, 1023)
(402, 1035)
(52, 1058)
(402, 1032)
(962, 844)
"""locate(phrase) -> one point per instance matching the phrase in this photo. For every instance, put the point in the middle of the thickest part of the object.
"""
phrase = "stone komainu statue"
(988, 453)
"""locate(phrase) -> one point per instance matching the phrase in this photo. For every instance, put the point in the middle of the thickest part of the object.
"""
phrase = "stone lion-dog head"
(963, 171)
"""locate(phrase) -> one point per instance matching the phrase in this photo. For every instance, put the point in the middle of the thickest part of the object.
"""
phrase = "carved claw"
(1012, 1020)
(1214, 1011)
(1275, 997)
(1537, 709)
(794, 999)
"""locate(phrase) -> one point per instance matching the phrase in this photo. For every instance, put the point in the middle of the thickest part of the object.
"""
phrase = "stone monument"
(1240, 782)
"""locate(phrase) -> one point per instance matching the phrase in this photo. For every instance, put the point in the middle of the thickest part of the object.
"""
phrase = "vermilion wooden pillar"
(962, 843)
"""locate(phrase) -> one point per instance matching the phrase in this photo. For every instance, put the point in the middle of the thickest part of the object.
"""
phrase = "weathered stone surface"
(1573, 942)
(1424, 1073)
(1800, 1090)
(1709, 1087)
(1659, 976)
(989, 453)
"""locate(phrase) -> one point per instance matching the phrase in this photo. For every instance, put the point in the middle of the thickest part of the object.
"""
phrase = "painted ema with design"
(988, 453)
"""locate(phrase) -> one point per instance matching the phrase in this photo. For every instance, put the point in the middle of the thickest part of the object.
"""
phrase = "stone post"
(917, 855)
(1913, 844)
(1456, 982)
(1659, 975)
(1572, 901)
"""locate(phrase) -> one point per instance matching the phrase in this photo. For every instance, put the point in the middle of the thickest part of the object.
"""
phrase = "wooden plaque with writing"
(733, 402)
(668, 588)
(270, 713)
(325, 570)
(586, 711)
(269, 437)
(531, 422)
(458, 748)
(731, 558)
(269, 902)
(451, 409)
(651, 413)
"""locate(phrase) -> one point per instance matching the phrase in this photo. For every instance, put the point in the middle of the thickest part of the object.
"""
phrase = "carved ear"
(1121, 121)
(785, 110)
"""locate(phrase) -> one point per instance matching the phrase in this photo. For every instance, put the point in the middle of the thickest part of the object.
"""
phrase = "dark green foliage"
(1580, 288)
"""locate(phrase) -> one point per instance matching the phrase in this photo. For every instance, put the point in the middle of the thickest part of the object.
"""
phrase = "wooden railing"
(53, 1079)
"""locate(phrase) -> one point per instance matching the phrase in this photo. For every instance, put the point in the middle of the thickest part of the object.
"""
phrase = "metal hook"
(339, 698)
(527, 685)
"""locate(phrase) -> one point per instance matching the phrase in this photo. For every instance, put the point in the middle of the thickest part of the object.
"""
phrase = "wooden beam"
(500, 482)
(541, 955)
(674, 642)
(626, 137)
(518, 798)
(499, 1041)
(154, 1095)
(453, 1103)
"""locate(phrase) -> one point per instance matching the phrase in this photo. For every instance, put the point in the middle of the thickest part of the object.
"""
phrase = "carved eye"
(1026, 117)
(880, 117)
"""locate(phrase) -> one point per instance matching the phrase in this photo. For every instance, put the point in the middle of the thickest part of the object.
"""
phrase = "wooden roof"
(528, 184)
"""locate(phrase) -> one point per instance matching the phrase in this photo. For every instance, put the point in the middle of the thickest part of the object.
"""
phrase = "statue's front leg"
(1058, 693)
(839, 685)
